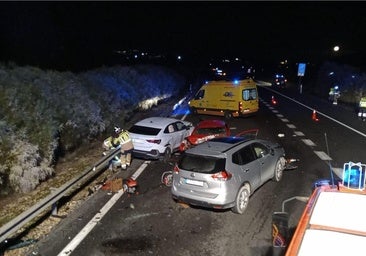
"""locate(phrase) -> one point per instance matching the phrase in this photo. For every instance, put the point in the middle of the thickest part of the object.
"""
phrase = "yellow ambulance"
(226, 98)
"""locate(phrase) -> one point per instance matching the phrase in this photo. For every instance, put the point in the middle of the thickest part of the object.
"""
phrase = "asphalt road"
(151, 223)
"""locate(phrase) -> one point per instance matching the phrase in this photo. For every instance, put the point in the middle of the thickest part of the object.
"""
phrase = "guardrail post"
(54, 209)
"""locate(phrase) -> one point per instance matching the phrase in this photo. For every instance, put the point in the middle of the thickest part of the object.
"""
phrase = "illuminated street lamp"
(336, 48)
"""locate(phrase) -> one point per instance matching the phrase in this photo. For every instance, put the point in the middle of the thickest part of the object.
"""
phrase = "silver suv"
(224, 172)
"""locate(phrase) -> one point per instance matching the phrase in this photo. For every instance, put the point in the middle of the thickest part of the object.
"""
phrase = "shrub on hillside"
(44, 112)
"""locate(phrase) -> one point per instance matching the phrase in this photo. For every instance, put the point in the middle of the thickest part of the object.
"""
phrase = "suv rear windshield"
(202, 164)
(144, 130)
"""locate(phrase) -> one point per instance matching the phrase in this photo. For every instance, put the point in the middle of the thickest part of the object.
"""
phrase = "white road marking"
(298, 133)
(322, 155)
(338, 172)
(95, 220)
(320, 113)
(285, 120)
(308, 142)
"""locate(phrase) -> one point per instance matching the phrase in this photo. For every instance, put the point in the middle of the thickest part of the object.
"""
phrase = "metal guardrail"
(18, 222)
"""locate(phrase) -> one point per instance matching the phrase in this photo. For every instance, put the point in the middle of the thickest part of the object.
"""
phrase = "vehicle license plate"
(194, 182)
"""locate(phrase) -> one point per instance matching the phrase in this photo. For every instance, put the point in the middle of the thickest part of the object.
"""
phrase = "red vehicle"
(333, 221)
(206, 130)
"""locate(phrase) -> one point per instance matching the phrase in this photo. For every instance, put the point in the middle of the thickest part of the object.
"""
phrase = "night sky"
(80, 35)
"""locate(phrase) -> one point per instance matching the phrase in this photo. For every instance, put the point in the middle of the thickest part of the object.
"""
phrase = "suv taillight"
(154, 141)
(176, 169)
(222, 176)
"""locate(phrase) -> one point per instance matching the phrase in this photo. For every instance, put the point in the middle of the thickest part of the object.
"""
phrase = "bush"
(46, 112)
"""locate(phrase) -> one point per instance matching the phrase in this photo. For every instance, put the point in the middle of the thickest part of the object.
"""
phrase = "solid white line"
(320, 113)
(95, 220)
(323, 156)
(185, 115)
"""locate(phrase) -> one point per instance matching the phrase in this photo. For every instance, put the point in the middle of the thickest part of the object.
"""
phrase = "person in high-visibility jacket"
(362, 109)
(126, 147)
(121, 137)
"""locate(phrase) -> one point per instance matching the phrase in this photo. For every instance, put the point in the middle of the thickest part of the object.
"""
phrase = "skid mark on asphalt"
(140, 216)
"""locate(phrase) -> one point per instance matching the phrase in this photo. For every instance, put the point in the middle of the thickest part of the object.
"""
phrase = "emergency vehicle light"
(354, 175)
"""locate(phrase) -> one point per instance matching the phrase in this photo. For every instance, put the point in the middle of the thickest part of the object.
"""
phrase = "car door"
(265, 159)
(249, 167)
(181, 133)
(173, 135)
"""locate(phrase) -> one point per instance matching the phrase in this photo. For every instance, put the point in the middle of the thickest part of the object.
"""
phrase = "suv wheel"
(242, 199)
(167, 154)
(278, 172)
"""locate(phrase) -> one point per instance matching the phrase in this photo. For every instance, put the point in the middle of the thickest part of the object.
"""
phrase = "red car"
(205, 130)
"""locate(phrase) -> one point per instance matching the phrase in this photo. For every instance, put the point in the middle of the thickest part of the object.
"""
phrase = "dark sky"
(86, 33)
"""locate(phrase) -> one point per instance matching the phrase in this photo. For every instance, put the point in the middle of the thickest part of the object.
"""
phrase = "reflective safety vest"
(363, 102)
(124, 137)
(125, 140)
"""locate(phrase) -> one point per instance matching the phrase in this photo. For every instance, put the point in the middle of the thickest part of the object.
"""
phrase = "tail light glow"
(222, 176)
(176, 169)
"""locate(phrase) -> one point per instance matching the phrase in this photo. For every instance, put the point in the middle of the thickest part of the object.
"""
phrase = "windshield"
(144, 130)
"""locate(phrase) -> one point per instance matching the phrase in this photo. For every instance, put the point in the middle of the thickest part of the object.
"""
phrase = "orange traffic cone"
(314, 117)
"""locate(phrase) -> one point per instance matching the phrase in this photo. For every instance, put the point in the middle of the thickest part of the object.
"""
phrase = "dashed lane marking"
(291, 126)
(338, 172)
(298, 133)
(308, 142)
(322, 155)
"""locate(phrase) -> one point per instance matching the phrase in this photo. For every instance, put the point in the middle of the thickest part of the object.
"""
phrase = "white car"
(158, 137)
